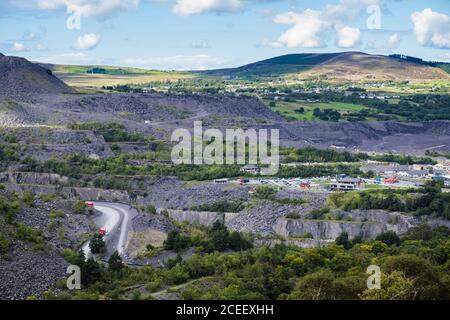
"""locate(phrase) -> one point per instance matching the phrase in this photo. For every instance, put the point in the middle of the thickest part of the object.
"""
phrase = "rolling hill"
(344, 66)
(93, 76)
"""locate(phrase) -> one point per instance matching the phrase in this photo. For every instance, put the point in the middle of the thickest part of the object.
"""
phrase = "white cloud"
(180, 62)
(190, 7)
(346, 10)
(270, 44)
(67, 58)
(19, 47)
(348, 37)
(432, 29)
(308, 30)
(313, 28)
(87, 42)
(204, 44)
(393, 40)
(29, 36)
(86, 8)
(40, 47)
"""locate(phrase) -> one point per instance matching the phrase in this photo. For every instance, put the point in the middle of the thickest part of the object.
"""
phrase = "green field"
(86, 78)
(287, 109)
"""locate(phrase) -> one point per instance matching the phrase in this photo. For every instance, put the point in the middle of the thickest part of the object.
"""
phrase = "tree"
(219, 236)
(343, 240)
(315, 286)
(90, 272)
(176, 241)
(394, 286)
(115, 262)
(97, 244)
(389, 237)
(238, 242)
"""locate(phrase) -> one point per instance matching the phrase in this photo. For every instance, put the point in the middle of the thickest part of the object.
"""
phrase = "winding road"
(116, 219)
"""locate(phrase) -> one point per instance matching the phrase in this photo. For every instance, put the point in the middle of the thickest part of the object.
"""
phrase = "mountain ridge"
(351, 65)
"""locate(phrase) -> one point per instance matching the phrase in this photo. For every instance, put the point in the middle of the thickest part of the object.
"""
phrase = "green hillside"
(342, 66)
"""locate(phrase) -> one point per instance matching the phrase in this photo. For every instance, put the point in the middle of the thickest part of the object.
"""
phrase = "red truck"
(89, 204)
(102, 232)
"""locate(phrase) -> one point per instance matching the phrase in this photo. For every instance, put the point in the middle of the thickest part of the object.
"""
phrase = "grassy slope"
(287, 109)
(345, 66)
(78, 76)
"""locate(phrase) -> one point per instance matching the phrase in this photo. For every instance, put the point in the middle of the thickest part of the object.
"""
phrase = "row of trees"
(216, 238)
(111, 131)
(414, 266)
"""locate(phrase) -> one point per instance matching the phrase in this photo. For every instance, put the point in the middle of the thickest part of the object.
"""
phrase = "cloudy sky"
(202, 34)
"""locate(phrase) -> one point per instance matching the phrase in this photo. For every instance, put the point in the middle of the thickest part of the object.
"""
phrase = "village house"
(413, 173)
(250, 168)
(346, 184)
(422, 166)
(443, 166)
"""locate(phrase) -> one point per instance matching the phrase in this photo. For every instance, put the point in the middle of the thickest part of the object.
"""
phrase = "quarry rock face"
(322, 229)
(365, 223)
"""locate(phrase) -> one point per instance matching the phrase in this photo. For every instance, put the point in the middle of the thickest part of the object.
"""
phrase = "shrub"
(4, 245)
(293, 215)
(48, 197)
(150, 209)
(28, 197)
(75, 258)
(343, 240)
(389, 237)
(26, 233)
(79, 207)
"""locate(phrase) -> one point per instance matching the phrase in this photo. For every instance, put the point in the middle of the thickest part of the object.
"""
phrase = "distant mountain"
(20, 77)
(344, 66)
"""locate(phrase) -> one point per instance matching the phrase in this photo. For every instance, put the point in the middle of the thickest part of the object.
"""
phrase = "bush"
(48, 197)
(28, 197)
(343, 240)
(9, 208)
(319, 214)
(53, 214)
(4, 245)
(75, 258)
(79, 207)
(293, 215)
(26, 233)
(176, 241)
(150, 209)
(265, 192)
(389, 237)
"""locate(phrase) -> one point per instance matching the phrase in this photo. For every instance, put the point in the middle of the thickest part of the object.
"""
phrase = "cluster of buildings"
(439, 171)
(368, 95)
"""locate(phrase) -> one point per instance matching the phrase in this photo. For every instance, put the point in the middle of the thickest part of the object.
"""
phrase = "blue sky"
(202, 34)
